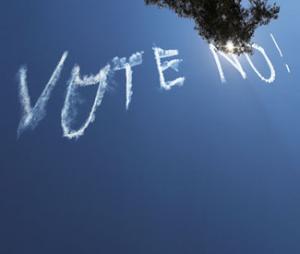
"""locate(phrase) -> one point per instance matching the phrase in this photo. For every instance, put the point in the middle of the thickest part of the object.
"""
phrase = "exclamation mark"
(280, 52)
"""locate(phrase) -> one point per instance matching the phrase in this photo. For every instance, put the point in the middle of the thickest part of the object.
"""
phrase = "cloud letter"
(121, 63)
(174, 64)
(32, 116)
(71, 97)
(271, 67)
(232, 59)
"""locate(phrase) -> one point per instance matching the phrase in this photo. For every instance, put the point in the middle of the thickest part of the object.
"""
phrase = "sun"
(230, 47)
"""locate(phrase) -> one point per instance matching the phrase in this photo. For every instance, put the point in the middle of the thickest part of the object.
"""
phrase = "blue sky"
(204, 168)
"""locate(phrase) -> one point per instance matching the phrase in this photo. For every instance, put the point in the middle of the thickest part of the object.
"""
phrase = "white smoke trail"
(271, 67)
(174, 64)
(75, 82)
(32, 116)
(277, 46)
(280, 52)
(231, 58)
(288, 68)
(121, 63)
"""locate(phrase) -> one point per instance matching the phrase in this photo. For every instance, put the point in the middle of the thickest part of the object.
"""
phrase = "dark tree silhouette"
(228, 24)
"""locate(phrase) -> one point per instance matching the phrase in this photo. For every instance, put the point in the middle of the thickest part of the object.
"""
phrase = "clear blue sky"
(206, 168)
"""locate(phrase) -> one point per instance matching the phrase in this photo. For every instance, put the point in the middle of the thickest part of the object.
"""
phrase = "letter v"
(31, 116)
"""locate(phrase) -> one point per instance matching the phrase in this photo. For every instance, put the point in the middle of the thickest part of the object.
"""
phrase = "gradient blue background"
(207, 168)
